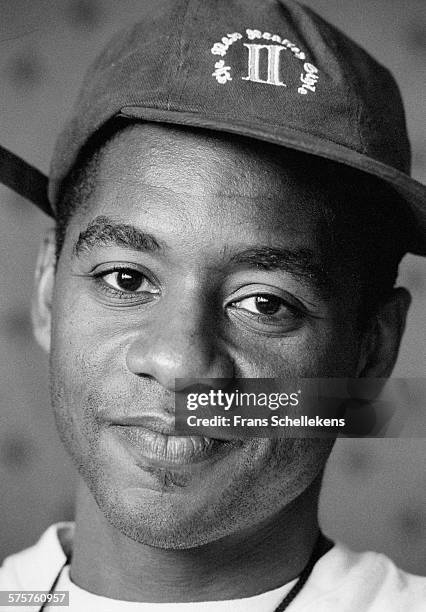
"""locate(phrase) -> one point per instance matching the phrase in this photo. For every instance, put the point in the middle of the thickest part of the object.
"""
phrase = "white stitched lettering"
(309, 79)
(273, 64)
(253, 34)
(222, 72)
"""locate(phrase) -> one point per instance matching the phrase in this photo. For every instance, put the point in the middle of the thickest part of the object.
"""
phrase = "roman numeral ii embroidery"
(265, 60)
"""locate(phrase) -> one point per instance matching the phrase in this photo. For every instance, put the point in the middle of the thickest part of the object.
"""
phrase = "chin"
(177, 510)
(162, 520)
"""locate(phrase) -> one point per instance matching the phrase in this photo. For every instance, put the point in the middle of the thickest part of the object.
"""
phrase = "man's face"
(196, 258)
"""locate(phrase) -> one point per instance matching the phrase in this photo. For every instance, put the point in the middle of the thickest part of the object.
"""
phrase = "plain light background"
(375, 490)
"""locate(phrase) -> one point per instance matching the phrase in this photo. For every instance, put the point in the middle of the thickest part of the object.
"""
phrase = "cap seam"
(173, 79)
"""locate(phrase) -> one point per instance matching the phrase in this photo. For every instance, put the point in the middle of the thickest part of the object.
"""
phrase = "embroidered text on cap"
(272, 54)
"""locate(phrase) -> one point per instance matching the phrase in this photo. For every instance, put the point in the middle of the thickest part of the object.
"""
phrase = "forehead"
(150, 162)
(208, 197)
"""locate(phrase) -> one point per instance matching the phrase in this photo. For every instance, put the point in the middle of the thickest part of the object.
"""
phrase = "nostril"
(145, 376)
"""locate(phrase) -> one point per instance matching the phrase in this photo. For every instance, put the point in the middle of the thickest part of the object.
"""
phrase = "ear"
(381, 343)
(44, 280)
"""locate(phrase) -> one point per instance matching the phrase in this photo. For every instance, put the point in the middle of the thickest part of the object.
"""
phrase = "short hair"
(368, 223)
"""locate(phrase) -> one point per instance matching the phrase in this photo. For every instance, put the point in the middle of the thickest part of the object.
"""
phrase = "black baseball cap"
(272, 70)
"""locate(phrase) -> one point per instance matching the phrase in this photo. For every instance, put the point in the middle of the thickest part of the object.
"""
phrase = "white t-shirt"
(341, 581)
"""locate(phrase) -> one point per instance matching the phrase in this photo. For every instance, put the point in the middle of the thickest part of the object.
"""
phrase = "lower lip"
(166, 450)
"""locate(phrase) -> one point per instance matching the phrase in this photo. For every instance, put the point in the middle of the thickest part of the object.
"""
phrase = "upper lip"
(157, 424)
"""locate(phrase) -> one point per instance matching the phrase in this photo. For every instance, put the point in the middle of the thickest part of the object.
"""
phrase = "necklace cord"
(322, 546)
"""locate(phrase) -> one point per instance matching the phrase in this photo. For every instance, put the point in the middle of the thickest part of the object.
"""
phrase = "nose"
(180, 348)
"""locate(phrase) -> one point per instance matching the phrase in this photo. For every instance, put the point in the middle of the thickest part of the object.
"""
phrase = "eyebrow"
(302, 263)
(106, 231)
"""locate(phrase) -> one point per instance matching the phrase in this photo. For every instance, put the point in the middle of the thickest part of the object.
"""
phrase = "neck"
(245, 564)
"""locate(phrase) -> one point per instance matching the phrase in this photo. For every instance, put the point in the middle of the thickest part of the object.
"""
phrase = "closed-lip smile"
(152, 438)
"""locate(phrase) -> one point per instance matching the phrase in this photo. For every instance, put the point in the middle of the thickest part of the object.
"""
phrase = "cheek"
(324, 349)
(79, 341)
(70, 399)
(74, 370)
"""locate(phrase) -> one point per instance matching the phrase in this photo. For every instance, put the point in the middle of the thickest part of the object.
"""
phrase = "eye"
(267, 313)
(126, 280)
(265, 304)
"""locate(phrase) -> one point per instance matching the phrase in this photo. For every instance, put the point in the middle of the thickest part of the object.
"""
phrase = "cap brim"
(411, 191)
(31, 184)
